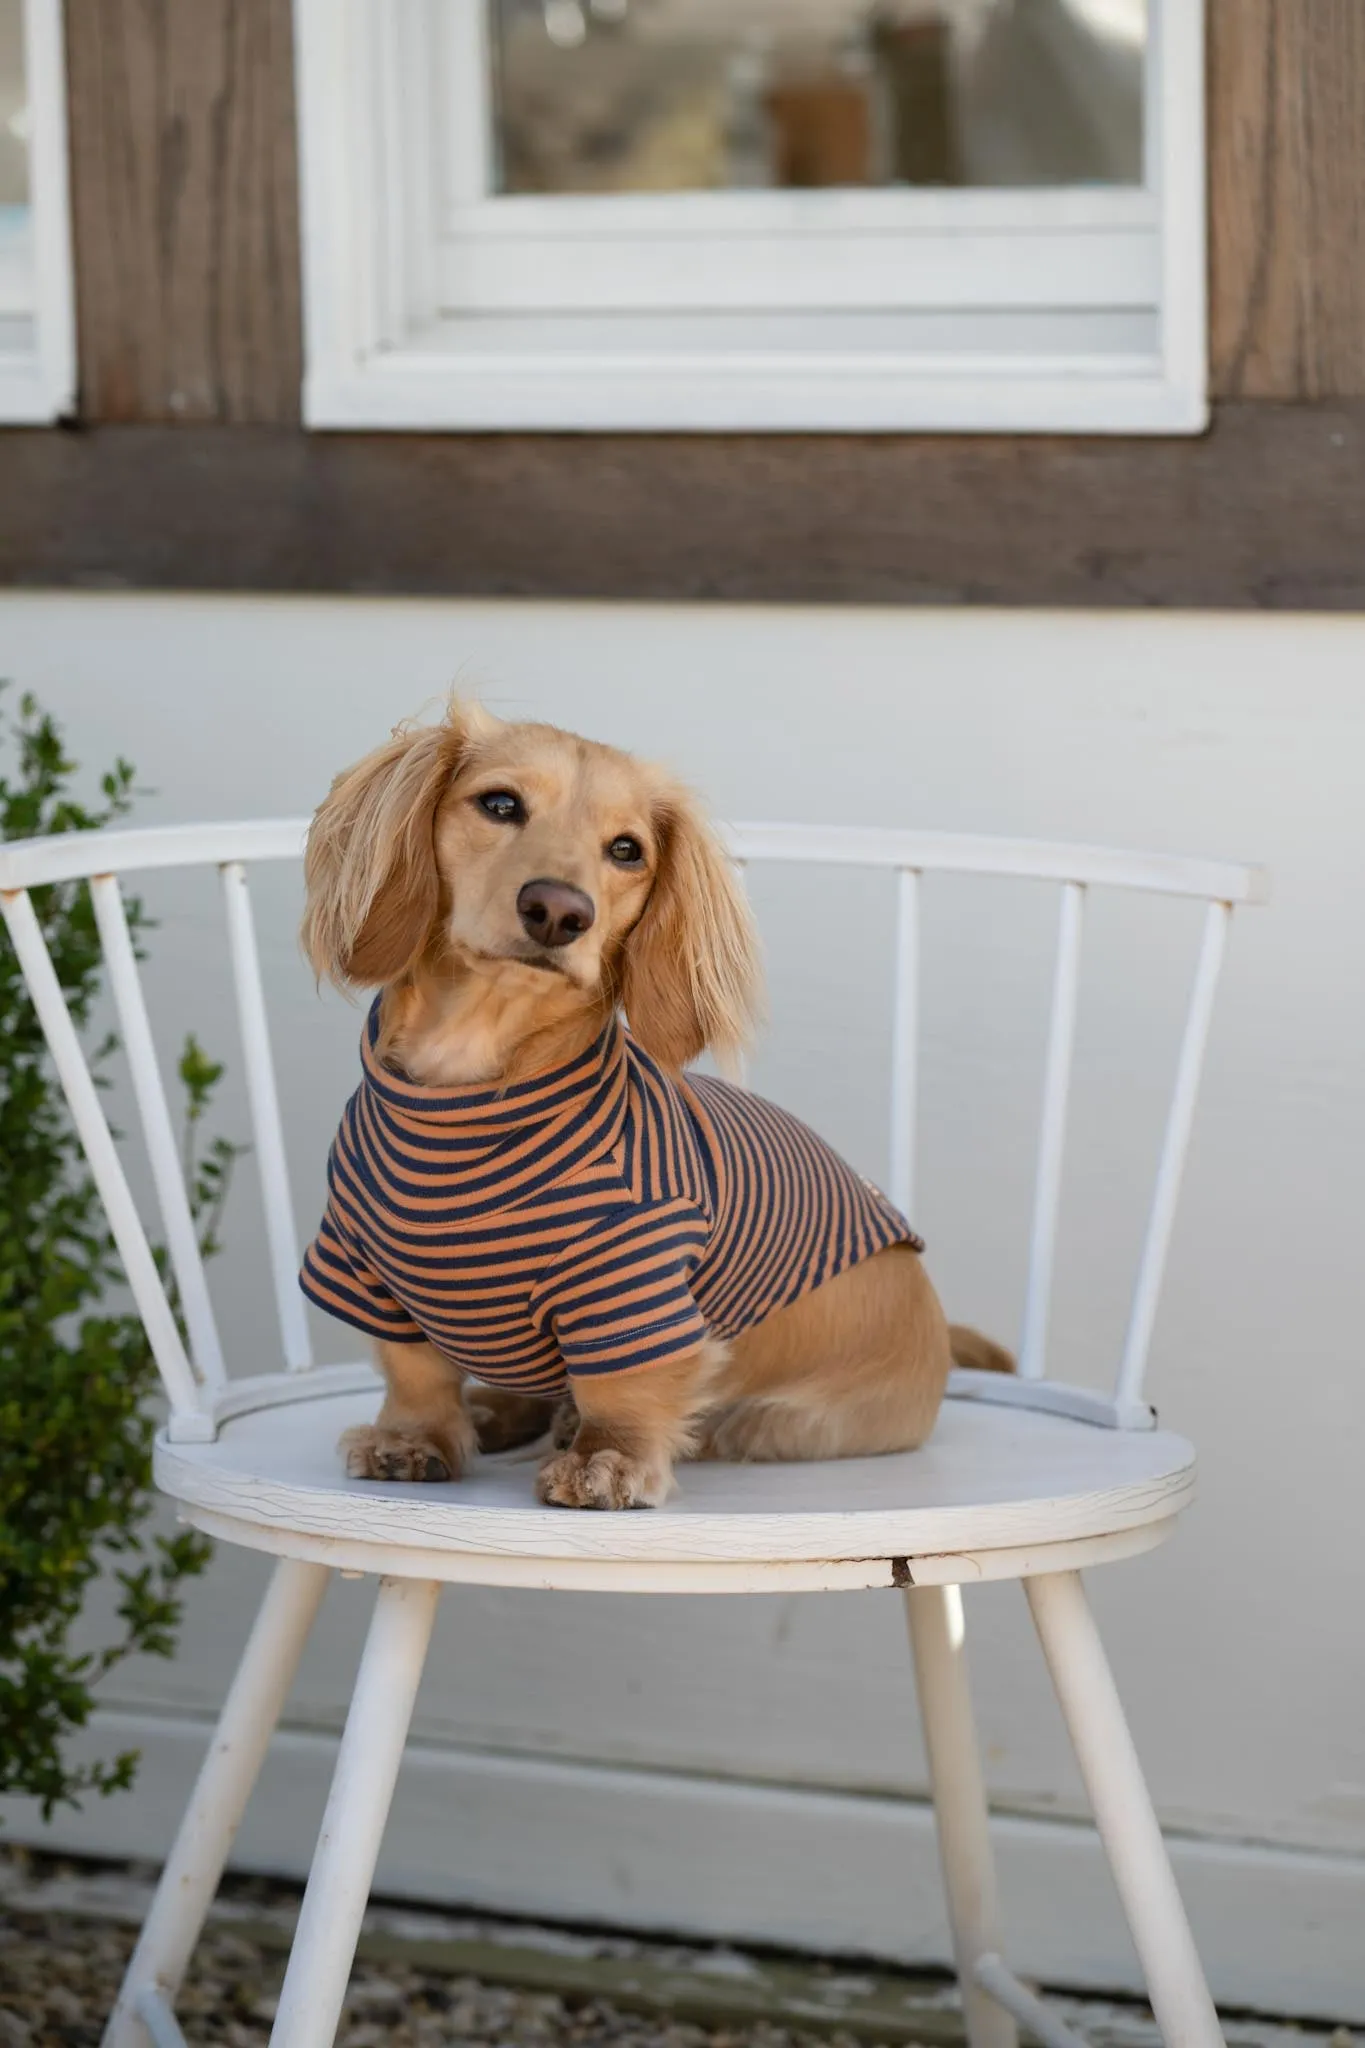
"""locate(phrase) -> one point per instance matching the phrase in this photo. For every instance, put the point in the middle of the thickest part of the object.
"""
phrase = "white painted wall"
(1240, 1647)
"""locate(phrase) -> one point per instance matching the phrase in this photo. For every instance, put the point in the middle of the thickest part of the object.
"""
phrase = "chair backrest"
(194, 1373)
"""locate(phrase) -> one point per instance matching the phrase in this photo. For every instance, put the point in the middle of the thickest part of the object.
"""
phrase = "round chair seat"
(997, 1492)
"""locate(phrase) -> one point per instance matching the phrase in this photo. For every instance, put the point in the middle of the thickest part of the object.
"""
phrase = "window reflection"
(694, 95)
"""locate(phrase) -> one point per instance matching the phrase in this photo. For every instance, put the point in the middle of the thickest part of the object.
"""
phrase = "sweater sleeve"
(621, 1297)
(338, 1277)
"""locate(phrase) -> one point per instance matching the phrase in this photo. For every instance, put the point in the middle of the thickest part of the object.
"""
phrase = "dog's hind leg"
(856, 1367)
(506, 1421)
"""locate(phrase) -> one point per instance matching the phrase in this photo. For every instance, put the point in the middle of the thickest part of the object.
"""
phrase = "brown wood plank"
(1267, 510)
(1287, 198)
(185, 209)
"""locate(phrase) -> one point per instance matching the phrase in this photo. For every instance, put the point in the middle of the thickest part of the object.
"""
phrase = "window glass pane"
(13, 107)
(694, 95)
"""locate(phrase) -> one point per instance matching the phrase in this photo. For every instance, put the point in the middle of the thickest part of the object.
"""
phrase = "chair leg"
(937, 1643)
(1123, 1811)
(357, 1809)
(229, 1771)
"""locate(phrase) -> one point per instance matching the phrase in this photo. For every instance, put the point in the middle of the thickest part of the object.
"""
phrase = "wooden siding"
(1287, 198)
(184, 194)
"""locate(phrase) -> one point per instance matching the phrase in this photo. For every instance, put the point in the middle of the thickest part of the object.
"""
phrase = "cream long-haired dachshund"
(529, 1200)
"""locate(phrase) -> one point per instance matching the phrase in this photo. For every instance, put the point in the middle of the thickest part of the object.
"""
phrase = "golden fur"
(413, 887)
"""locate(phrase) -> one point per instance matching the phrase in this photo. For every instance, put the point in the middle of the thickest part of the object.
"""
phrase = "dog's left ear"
(692, 978)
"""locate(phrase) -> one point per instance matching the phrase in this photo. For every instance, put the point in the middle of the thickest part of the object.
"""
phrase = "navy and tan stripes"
(598, 1218)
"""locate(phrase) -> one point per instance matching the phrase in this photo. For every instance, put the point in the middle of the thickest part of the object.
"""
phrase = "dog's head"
(481, 841)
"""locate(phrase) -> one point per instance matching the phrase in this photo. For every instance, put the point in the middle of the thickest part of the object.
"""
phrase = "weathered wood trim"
(1286, 127)
(1267, 510)
(184, 193)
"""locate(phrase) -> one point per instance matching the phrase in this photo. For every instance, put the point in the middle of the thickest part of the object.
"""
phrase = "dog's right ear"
(370, 865)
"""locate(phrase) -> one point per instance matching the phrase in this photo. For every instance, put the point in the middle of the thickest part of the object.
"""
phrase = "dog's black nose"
(554, 913)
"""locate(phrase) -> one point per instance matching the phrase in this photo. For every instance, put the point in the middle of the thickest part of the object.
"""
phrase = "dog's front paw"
(401, 1451)
(600, 1479)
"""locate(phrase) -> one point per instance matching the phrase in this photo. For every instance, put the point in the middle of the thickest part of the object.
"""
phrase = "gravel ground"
(58, 1979)
(60, 1971)
(67, 1930)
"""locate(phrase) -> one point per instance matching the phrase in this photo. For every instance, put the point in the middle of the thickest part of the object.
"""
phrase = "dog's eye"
(626, 852)
(502, 805)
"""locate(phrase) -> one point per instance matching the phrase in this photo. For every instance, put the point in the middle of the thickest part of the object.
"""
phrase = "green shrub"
(77, 1413)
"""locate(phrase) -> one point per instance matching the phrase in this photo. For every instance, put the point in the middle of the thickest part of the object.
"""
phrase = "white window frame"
(431, 303)
(38, 375)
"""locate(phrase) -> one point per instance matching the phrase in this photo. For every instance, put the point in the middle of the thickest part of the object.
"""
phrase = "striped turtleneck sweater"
(599, 1217)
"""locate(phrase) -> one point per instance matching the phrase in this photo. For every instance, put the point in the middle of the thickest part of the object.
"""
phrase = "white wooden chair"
(1026, 1479)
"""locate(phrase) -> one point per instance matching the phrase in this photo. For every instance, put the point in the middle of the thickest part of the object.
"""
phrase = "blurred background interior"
(694, 95)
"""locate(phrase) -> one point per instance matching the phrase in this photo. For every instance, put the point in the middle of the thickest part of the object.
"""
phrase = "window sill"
(481, 376)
